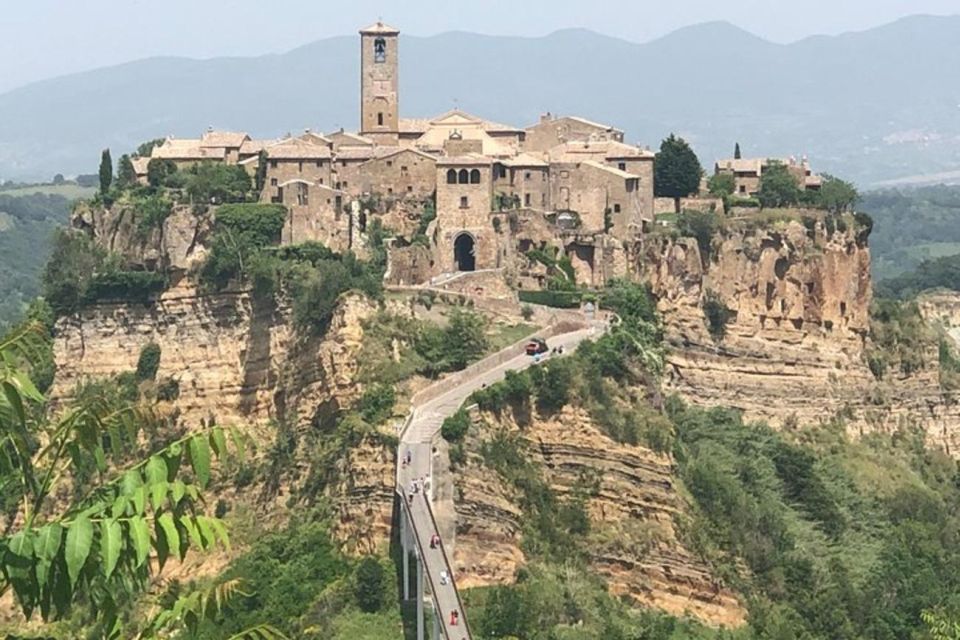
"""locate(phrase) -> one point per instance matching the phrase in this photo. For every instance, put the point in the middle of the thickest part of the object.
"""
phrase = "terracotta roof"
(380, 153)
(607, 149)
(354, 153)
(465, 159)
(227, 139)
(591, 123)
(741, 165)
(524, 160)
(140, 165)
(414, 125)
(315, 138)
(353, 138)
(609, 169)
(297, 149)
(186, 149)
(253, 147)
(380, 28)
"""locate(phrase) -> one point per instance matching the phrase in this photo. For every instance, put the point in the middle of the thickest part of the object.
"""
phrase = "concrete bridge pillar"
(420, 620)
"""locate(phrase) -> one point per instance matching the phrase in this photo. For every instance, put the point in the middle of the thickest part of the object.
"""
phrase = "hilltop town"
(482, 193)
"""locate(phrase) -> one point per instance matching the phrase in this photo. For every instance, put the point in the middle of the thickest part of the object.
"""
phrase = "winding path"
(430, 407)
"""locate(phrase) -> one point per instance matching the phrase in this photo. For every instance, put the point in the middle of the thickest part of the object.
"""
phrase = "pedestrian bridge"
(436, 579)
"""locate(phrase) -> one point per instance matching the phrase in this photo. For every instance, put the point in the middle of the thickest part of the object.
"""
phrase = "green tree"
(95, 547)
(106, 172)
(676, 170)
(837, 195)
(455, 427)
(159, 170)
(145, 150)
(126, 174)
(370, 585)
(722, 185)
(736, 151)
(217, 183)
(260, 180)
(778, 187)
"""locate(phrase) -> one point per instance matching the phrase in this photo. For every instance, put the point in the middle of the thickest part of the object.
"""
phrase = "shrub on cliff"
(217, 183)
(453, 347)
(149, 361)
(717, 315)
(702, 225)
(239, 232)
(370, 585)
(455, 427)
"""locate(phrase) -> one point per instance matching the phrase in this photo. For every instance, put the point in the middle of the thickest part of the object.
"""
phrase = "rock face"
(240, 363)
(633, 504)
(793, 349)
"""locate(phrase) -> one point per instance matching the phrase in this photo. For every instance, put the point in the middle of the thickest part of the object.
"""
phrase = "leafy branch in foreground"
(189, 611)
(98, 547)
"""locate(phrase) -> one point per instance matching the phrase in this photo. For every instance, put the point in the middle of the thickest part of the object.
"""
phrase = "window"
(273, 182)
(463, 177)
(321, 180)
(302, 195)
(390, 191)
(319, 163)
(526, 199)
(343, 163)
(452, 176)
(389, 163)
(300, 166)
(502, 171)
(616, 208)
(475, 176)
(526, 175)
(344, 184)
(379, 50)
(743, 188)
(403, 168)
(543, 200)
(380, 119)
(409, 188)
(273, 164)
(464, 203)
(622, 166)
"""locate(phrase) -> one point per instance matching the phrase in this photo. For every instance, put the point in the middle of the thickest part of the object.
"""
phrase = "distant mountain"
(873, 105)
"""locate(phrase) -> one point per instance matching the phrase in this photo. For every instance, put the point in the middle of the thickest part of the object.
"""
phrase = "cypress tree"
(106, 172)
(736, 151)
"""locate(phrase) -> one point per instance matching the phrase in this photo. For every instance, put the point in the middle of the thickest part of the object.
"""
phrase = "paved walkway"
(425, 423)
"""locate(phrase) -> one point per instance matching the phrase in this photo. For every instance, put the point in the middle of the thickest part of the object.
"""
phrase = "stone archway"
(464, 248)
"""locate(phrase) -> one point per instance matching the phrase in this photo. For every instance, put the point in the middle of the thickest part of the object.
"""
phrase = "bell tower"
(379, 93)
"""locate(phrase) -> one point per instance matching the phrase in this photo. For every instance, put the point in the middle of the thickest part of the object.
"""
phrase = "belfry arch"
(464, 252)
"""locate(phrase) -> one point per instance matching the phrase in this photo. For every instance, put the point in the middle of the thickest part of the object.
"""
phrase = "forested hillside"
(26, 230)
(911, 225)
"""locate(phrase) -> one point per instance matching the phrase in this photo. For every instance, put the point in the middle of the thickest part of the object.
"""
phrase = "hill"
(26, 226)
(853, 102)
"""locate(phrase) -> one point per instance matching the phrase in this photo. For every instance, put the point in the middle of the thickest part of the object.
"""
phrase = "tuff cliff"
(633, 503)
(791, 298)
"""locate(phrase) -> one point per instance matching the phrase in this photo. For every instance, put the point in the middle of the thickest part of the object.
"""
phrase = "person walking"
(454, 615)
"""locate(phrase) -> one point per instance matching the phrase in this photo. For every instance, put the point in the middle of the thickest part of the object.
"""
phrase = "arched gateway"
(463, 252)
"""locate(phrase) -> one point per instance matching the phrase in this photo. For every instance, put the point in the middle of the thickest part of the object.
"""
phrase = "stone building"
(747, 173)
(497, 190)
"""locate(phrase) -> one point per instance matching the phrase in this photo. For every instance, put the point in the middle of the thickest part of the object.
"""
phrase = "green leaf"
(119, 508)
(193, 531)
(13, 397)
(79, 540)
(140, 500)
(218, 440)
(169, 529)
(206, 529)
(47, 545)
(238, 443)
(177, 491)
(200, 459)
(156, 470)
(111, 542)
(131, 481)
(221, 531)
(158, 492)
(140, 536)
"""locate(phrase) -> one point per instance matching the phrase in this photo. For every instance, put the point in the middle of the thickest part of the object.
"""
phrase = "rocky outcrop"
(632, 501)
(798, 295)
(176, 246)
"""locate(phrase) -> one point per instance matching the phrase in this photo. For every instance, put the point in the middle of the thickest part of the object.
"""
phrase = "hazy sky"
(45, 38)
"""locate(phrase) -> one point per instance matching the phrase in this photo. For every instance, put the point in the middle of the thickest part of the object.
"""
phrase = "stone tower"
(379, 94)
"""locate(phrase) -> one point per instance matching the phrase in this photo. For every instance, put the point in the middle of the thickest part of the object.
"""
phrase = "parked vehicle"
(536, 347)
